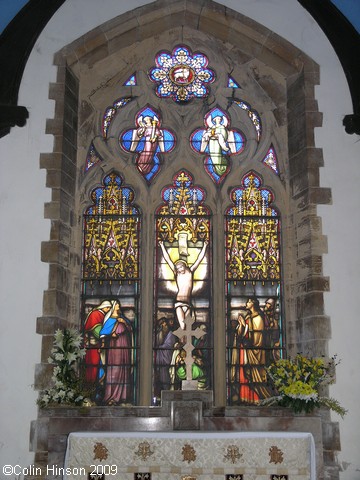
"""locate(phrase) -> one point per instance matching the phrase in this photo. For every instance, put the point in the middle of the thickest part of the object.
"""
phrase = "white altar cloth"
(190, 456)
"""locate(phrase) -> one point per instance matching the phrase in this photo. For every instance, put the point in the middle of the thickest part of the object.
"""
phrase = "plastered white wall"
(23, 277)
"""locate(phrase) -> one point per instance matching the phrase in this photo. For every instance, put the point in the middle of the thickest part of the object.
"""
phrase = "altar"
(190, 456)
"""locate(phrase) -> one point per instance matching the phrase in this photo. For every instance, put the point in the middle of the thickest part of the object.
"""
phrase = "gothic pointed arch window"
(110, 292)
(260, 92)
(255, 334)
(179, 125)
(181, 312)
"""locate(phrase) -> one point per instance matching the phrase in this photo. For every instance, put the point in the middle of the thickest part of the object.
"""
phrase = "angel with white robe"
(219, 140)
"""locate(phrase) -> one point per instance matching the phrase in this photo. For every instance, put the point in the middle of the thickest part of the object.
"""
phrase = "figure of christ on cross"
(184, 277)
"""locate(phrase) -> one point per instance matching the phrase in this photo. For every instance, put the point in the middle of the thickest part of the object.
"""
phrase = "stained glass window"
(110, 293)
(232, 83)
(92, 158)
(149, 141)
(182, 321)
(253, 290)
(181, 75)
(182, 313)
(111, 112)
(271, 160)
(218, 142)
(253, 115)
(131, 81)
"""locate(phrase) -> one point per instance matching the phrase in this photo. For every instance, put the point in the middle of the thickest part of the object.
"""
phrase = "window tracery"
(131, 81)
(232, 83)
(181, 74)
(92, 158)
(111, 112)
(271, 160)
(253, 115)
(182, 315)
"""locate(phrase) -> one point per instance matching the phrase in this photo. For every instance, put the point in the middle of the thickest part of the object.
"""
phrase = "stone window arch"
(275, 84)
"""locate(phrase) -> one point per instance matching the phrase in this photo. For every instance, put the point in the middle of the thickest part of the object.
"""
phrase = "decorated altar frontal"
(190, 456)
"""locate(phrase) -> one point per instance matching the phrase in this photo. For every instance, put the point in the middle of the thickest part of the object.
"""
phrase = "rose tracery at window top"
(181, 74)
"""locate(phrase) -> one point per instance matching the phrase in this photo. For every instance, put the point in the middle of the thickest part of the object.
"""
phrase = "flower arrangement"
(65, 355)
(297, 382)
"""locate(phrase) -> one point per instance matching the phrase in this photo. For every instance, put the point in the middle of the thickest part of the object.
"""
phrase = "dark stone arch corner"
(16, 44)
(18, 39)
(346, 42)
(352, 124)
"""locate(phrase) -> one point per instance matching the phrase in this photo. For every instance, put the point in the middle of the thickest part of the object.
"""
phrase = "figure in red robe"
(93, 325)
(152, 137)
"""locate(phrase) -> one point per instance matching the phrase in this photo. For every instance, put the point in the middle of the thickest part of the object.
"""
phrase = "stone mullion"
(219, 309)
(146, 307)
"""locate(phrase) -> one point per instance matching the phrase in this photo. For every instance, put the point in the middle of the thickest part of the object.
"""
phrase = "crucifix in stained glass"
(182, 329)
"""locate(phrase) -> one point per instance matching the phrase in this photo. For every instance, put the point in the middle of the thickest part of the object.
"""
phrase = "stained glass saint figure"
(253, 286)
(117, 337)
(110, 291)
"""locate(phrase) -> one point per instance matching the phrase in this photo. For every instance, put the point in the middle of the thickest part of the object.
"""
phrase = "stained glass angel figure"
(218, 141)
(149, 131)
(148, 140)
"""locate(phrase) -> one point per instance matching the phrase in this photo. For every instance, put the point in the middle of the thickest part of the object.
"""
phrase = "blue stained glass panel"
(131, 81)
(218, 142)
(232, 83)
(149, 141)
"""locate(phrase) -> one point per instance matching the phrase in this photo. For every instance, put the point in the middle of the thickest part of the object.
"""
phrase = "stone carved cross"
(188, 332)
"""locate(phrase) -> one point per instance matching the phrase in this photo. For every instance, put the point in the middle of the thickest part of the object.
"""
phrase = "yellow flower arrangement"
(297, 382)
